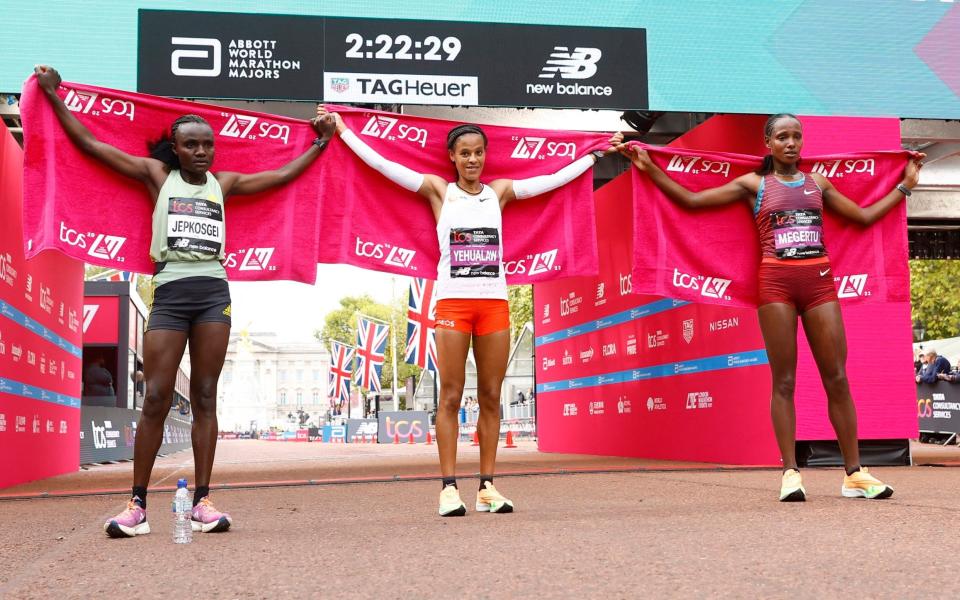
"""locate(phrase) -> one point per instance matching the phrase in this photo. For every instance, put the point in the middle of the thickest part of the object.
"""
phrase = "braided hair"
(162, 149)
(461, 130)
(766, 167)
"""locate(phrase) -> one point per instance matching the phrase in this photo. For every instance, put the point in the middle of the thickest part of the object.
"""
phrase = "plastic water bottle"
(182, 528)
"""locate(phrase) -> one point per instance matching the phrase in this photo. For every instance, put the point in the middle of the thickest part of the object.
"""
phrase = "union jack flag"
(340, 370)
(421, 336)
(371, 347)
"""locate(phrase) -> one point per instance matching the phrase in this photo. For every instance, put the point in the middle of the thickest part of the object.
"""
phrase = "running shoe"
(791, 487)
(490, 500)
(864, 485)
(450, 503)
(207, 519)
(132, 521)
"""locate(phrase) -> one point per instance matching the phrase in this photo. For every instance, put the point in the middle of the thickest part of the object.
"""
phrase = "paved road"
(649, 534)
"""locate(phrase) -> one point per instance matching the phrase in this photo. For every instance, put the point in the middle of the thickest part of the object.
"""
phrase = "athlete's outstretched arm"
(252, 183)
(430, 187)
(738, 189)
(510, 189)
(147, 170)
(867, 215)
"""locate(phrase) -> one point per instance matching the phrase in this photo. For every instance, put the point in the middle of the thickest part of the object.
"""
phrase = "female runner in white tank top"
(471, 290)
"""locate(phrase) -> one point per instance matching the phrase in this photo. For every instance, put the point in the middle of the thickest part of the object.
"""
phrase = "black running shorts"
(184, 302)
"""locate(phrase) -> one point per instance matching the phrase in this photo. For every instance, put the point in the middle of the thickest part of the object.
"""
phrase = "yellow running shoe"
(791, 487)
(490, 500)
(450, 503)
(864, 485)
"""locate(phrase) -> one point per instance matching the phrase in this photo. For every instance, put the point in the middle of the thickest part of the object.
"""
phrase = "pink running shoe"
(207, 519)
(131, 522)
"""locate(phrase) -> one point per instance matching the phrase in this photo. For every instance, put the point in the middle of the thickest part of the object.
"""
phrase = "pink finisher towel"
(76, 204)
(386, 228)
(712, 255)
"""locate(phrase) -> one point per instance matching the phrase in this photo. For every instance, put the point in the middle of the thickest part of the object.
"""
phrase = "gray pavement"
(646, 534)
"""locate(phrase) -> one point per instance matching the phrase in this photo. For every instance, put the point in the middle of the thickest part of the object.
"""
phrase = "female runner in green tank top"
(192, 301)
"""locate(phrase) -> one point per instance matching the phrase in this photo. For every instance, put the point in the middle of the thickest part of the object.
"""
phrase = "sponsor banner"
(334, 433)
(40, 335)
(108, 433)
(361, 427)
(708, 417)
(620, 373)
(37, 362)
(37, 439)
(938, 407)
(402, 424)
(101, 319)
(235, 55)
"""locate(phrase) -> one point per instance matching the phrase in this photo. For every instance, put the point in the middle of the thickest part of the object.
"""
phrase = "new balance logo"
(378, 126)
(80, 102)
(89, 312)
(528, 147)
(581, 63)
(106, 246)
(256, 259)
(238, 126)
(852, 286)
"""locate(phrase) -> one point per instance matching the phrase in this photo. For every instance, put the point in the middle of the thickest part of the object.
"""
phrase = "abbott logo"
(378, 126)
(210, 50)
(852, 286)
(238, 126)
(257, 259)
(89, 312)
(579, 64)
(528, 147)
(106, 246)
(80, 102)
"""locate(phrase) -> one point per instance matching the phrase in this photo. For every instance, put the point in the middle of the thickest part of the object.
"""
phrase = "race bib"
(475, 252)
(195, 225)
(798, 233)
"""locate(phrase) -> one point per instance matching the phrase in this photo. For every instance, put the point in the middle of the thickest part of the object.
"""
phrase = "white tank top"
(470, 233)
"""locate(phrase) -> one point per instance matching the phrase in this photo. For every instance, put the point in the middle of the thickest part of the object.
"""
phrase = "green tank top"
(188, 230)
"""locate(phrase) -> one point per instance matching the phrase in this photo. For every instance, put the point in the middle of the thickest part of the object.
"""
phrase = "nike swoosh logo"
(822, 273)
(808, 192)
(483, 199)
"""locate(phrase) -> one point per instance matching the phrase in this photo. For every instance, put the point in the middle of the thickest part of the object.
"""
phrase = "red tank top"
(790, 218)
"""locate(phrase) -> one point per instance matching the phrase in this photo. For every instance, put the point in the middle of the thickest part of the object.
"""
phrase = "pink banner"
(712, 255)
(40, 321)
(101, 318)
(338, 211)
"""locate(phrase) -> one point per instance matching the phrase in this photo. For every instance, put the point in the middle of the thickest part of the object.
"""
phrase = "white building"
(265, 379)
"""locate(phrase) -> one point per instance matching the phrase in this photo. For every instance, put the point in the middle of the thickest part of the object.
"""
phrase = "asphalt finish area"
(584, 527)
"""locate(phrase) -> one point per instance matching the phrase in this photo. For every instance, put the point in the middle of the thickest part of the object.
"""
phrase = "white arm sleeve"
(534, 186)
(406, 178)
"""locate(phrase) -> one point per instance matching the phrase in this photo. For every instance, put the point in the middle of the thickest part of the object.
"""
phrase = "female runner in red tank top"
(796, 280)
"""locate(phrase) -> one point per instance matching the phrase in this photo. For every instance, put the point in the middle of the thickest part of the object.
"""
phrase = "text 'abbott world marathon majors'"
(347, 60)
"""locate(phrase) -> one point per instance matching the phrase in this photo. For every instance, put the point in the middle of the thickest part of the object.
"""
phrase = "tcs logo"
(404, 428)
(711, 287)
(390, 255)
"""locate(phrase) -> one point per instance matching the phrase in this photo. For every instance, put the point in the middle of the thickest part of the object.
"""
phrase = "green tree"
(933, 296)
(521, 307)
(341, 325)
